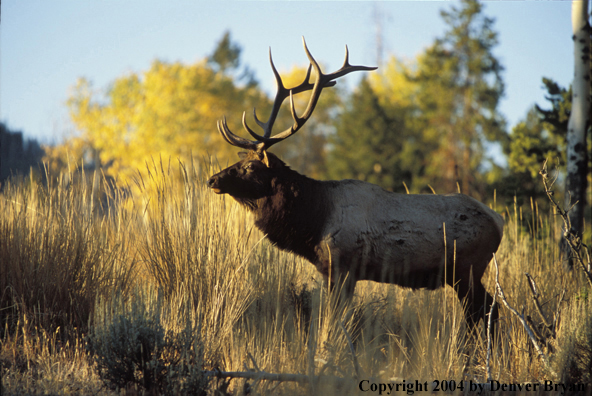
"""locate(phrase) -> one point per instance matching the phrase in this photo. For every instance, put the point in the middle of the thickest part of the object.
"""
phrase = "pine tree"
(531, 143)
(368, 141)
(226, 56)
(460, 85)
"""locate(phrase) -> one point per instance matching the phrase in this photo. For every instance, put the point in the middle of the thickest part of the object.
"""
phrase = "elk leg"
(478, 301)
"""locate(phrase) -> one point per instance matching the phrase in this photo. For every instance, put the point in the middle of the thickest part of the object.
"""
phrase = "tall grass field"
(163, 287)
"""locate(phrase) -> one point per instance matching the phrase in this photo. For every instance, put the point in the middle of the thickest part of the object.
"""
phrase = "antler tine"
(257, 137)
(316, 90)
(324, 80)
(347, 68)
(311, 59)
(278, 78)
(234, 139)
(222, 132)
(281, 95)
(298, 122)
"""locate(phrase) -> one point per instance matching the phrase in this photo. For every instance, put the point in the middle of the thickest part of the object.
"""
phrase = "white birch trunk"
(579, 120)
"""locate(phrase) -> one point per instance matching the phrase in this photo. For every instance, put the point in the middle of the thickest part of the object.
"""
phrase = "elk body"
(352, 230)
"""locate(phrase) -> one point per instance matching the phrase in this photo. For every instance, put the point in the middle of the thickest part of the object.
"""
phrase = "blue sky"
(46, 45)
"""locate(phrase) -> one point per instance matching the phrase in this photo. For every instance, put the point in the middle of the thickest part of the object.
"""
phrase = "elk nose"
(213, 184)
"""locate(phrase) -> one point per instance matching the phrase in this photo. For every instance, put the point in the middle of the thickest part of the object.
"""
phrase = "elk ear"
(242, 155)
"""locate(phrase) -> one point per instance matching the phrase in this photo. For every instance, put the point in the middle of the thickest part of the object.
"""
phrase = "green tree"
(397, 93)
(555, 120)
(226, 60)
(429, 121)
(226, 56)
(530, 144)
(540, 136)
(557, 116)
(368, 143)
(459, 88)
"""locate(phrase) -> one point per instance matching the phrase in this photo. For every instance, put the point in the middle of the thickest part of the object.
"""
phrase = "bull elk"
(352, 230)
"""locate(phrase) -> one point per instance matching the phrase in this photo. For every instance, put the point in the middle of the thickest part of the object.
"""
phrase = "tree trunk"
(579, 120)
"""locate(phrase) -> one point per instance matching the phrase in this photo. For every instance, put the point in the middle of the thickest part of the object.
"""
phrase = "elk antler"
(264, 142)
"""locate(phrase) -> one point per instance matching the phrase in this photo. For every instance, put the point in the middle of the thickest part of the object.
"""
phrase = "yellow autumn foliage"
(169, 111)
(392, 84)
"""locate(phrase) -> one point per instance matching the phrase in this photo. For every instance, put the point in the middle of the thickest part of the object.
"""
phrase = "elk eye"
(251, 166)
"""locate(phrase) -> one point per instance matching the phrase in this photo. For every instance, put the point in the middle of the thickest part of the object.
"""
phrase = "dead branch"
(265, 376)
(520, 317)
(534, 328)
(556, 315)
(537, 304)
(570, 236)
(489, 324)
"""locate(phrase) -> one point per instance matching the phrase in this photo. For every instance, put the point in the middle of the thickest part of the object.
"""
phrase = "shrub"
(131, 347)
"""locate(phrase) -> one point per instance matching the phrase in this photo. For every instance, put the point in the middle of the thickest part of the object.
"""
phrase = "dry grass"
(69, 259)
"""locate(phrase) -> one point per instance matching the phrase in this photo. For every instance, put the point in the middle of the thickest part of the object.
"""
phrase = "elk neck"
(294, 215)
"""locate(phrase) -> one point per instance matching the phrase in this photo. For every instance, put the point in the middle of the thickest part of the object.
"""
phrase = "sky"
(46, 45)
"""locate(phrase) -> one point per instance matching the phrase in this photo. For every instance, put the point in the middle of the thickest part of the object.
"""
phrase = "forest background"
(427, 124)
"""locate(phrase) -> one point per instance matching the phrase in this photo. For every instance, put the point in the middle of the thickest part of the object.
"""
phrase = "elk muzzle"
(214, 184)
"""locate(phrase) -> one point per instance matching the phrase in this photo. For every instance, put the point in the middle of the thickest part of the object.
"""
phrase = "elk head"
(251, 177)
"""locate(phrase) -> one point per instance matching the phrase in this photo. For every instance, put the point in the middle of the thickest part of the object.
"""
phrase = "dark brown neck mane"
(294, 213)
